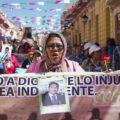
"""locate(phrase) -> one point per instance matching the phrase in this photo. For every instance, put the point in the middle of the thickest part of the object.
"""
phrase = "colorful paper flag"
(32, 3)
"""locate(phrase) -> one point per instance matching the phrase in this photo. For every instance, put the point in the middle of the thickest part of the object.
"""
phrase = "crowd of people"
(94, 58)
(56, 56)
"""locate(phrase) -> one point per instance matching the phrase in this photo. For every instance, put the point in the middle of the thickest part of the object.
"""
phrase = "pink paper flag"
(32, 3)
(56, 2)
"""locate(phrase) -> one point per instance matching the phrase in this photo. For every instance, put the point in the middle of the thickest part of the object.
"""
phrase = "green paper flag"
(49, 2)
(74, 0)
(58, 19)
(23, 8)
(3, 6)
(26, 17)
(27, 21)
(45, 10)
(23, 4)
(44, 17)
(65, 9)
(43, 21)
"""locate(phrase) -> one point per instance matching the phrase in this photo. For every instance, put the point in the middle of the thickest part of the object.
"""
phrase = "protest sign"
(6, 54)
(91, 96)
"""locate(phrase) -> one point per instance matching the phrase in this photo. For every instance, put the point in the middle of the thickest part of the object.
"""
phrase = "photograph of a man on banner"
(52, 97)
(5, 54)
(53, 94)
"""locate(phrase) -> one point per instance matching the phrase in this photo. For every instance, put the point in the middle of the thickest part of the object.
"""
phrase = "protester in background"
(26, 46)
(15, 44)
(95, 114)
(13, 65)
(79, 54)
(20, 49)
(20, 55)
(110, 48)
(35, 47)
(37, 56)
(116, 59)
(1, 42)
(94, 64)
(55, 48)
(28, 60)
(70, 53)
(85, 55)
(68, 116)
(85, 41)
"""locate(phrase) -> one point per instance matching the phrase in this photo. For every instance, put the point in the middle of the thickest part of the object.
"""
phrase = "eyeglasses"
(52, 47)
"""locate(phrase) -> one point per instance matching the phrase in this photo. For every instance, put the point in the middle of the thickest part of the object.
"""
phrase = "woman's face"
(54, 50)
(86, 52)
(97, 55)
(20, 50)
(37, 57)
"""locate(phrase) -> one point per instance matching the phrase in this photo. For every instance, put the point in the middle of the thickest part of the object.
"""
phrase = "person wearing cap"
(85, 54)
(55, 48)
(94, 64)
(28, 60)
(116, 59)
(79, 54)
(37, 56)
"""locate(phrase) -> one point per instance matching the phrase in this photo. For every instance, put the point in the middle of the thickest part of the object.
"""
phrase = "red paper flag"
(47, 23)
(48, 20)
(49, 16)
(13, 17)
(56, 2)
(32, 17)
(31, 9)
(61, 22)
(4, 4)
(11, 8)
(19, 23)
(51, 9)
(18, 19)
(32, 3)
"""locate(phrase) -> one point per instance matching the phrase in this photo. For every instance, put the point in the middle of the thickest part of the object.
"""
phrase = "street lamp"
(84, 20)
(11, 33)
(72, 26)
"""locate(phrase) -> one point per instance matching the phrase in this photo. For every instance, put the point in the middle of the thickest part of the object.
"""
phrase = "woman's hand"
(4, 67)
(108, 70)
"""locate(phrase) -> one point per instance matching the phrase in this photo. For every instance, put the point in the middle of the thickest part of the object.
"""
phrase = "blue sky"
(43, 17)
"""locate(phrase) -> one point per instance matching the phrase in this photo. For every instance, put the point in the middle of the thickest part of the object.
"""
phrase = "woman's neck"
(64, 68)
(44, 67)
(94, 60)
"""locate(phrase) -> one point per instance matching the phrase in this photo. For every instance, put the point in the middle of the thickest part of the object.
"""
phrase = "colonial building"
(7, 28)
(95, 20)
(114, 6)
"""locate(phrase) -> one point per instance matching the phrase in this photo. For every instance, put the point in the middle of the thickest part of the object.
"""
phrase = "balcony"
(113, 3)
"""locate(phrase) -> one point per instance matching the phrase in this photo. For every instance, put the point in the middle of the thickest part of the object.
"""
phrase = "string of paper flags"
(38, 3)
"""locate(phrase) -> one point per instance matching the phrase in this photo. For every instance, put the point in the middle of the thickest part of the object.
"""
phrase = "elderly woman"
(94, 64)
(55, 48)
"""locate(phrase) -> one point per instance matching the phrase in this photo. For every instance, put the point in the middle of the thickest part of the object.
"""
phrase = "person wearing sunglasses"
(55, 47)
